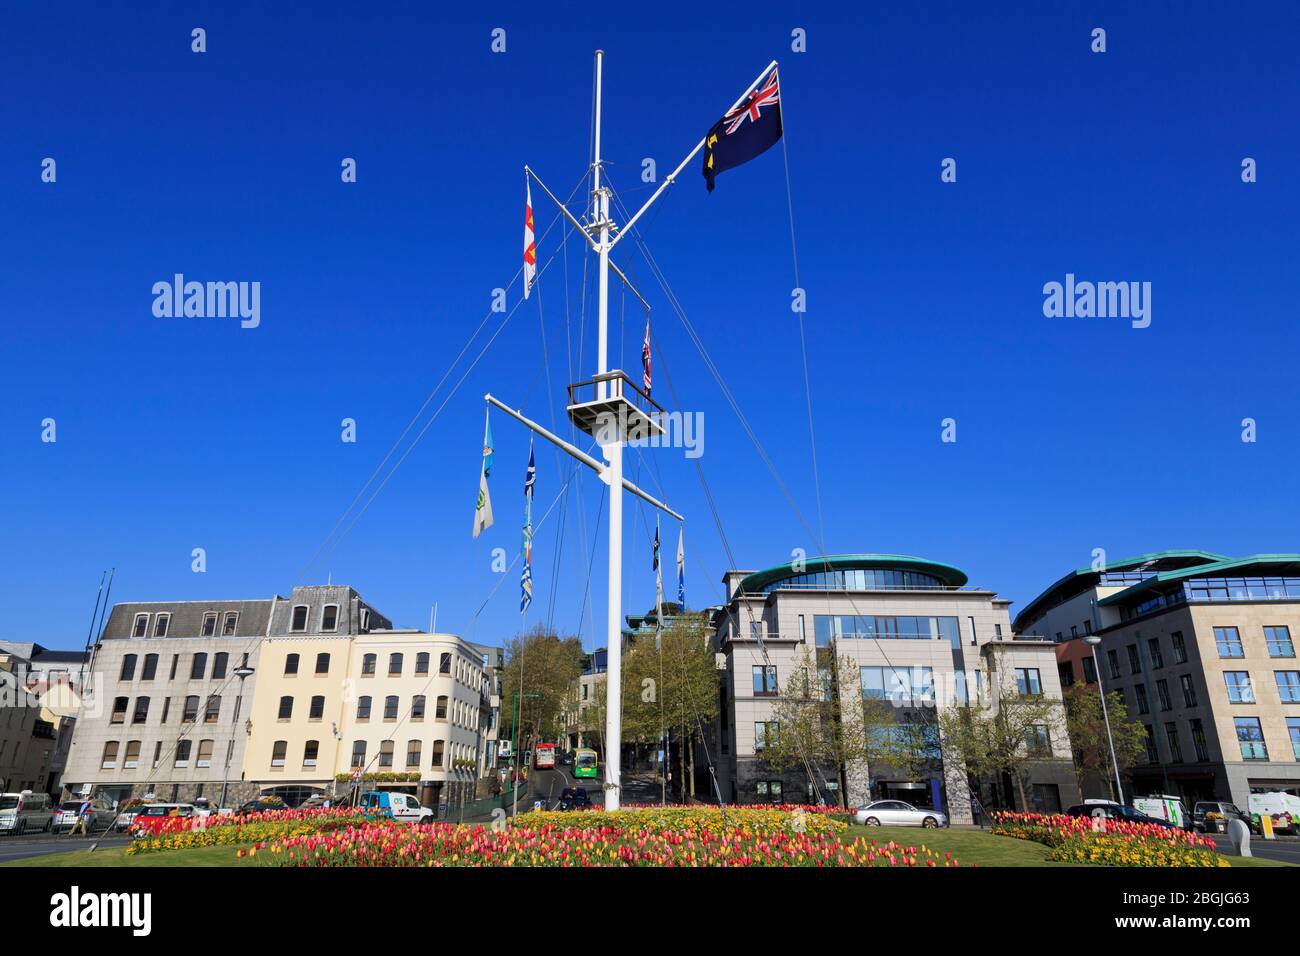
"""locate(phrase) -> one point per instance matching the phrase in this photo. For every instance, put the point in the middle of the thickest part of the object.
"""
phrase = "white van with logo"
(26, 811)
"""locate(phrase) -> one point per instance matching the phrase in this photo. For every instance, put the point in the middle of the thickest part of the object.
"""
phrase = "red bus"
(544, 756)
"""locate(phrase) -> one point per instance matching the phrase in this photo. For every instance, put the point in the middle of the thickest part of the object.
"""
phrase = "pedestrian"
(82, 822)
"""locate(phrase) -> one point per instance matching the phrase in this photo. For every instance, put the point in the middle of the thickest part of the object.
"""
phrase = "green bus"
(584, 763)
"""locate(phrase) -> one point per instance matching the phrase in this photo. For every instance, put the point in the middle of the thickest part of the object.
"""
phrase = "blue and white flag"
(526, 546)
(681, 571)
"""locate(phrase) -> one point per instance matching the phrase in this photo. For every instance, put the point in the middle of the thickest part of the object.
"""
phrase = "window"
(1157, 658)
(803, 630)
(440, 708)
(212, 713)
(1189, 690)
(1153, 755)
(368, 665)
(444, 663)
(903, 685)
(1180, 647)
(176, 663)
(141, 710)
(765, 734)
(755, 630)
(1279, 643)
(1140, 695)
(394, 665)
(1134, 660)
(386, 754)
(413, 753)
(182, 755)
(167, 706)
(417, 707)
(204, 758)
(286, 709)
(317, 709)
(299, 622)
(209, 624)
(119, 711)
(1112, 661)
(322, 664)
(228, 624)
(1198, 741)
(422, 662)
(108, 760)
(1250, 735)
(220, 661)
(128, 668)
(310, 752)
(291, 665)
(435, 754)
(1239, 689)
(1074, 631)
(1162, 695)
(141, 626)
(131, 760)
(1288, 686)
(279, 751)
(150, 667)
(191, 711)
(769, 791)
(160, 624)
(765, 680)
(198, 666)
(1038, 741)
(358, 753)
(1066, 671)
(390, 707)
(1175, 747)
(363, 708)
(1028, 683)
(1293, 728)
(1089, 670)
(329, 618)
(1228, 641)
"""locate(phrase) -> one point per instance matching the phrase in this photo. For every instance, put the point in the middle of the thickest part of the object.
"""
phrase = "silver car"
(102, 815)
(896, 813)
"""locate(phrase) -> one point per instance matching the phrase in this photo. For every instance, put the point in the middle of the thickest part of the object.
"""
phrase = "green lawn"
(116, 856)
(977, 848)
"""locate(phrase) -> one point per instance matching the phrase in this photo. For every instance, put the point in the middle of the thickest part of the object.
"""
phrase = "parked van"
(20, 812)
(398, 806)
(1282, 808)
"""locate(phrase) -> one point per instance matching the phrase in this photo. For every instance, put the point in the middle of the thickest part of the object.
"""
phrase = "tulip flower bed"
(1103, 842)
(179, 833)
(749, 821)
(590, 839)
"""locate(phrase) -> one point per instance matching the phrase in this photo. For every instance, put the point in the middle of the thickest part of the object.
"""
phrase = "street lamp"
(514, 748)
(1092, 641)
(243, 672)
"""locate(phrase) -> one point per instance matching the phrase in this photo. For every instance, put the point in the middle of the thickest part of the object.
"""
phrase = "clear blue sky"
(925, 298)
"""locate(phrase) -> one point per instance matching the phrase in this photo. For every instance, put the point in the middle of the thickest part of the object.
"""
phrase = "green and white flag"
(483, 510)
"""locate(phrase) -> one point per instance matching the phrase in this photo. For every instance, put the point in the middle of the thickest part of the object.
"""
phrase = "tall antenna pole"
(613, 452)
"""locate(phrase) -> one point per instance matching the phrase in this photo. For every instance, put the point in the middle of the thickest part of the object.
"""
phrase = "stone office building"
(1202, 648)
(921, 638)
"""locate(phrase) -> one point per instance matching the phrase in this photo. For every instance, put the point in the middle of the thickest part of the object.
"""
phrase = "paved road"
(548, 784)
(1286, 851)
(19, 848)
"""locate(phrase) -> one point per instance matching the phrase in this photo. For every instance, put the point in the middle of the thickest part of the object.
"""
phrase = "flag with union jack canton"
(746, 131)
(645, 358)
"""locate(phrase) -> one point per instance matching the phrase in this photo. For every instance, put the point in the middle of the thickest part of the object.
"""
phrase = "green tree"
(1088, 739)
(541, 668)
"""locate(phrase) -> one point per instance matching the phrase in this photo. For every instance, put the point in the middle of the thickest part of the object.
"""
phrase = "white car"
(896, 813)
(25, 812)
(102, 815)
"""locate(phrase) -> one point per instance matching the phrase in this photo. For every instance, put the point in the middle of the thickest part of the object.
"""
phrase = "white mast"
(613, 452)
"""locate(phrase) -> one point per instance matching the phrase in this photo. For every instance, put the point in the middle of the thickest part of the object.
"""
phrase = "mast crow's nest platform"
(610, 407)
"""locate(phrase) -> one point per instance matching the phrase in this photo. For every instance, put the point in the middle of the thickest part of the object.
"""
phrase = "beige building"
(921, 639)
(1202, 648)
